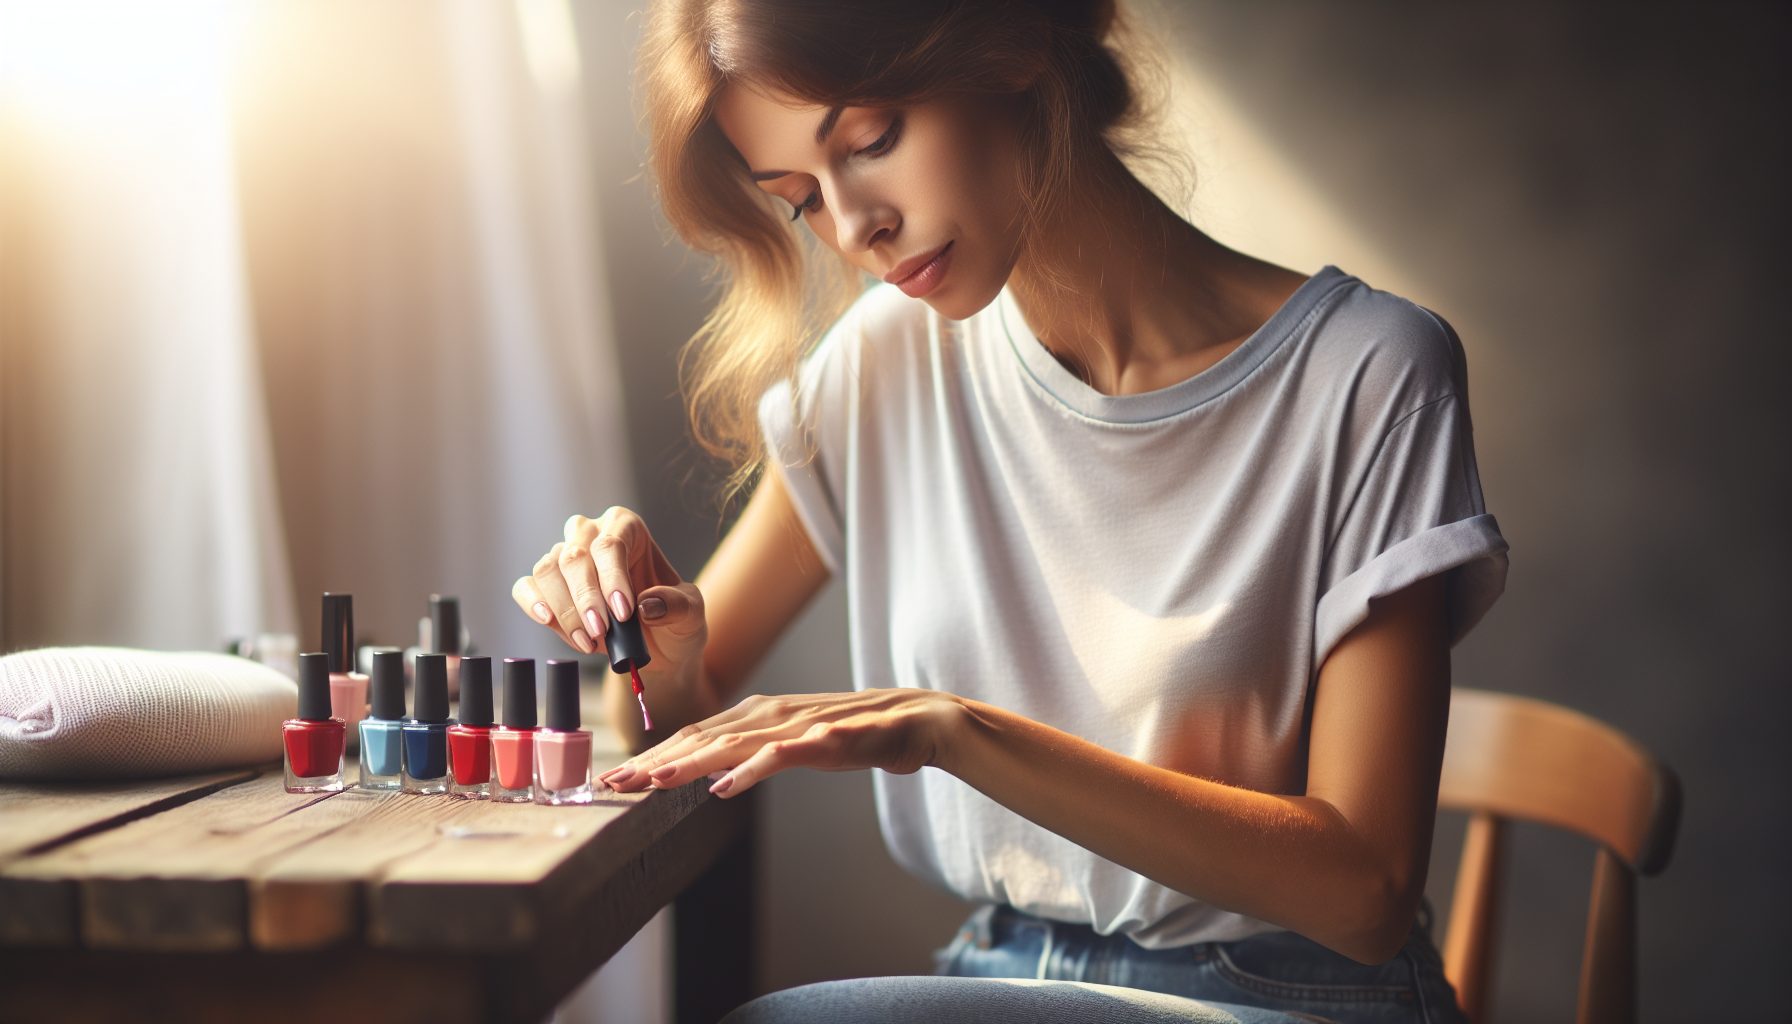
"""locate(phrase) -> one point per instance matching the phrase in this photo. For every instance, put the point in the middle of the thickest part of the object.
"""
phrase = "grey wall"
(1595, 197)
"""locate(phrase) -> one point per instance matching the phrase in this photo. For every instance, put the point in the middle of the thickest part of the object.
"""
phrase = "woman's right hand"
(610, 567)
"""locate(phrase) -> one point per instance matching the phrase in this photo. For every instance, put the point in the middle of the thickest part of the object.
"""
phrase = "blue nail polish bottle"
(426, 734)
(382, 747)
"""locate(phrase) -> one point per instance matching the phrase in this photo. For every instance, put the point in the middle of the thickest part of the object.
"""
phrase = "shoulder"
(880, 319)
(1382, 346)
(883, 328)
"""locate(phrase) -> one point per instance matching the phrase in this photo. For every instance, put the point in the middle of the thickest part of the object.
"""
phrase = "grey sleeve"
(1417, 512)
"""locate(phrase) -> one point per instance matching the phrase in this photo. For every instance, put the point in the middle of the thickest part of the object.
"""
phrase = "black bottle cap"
(519, 693)
(563, 695)
(444, 623)
(476, 691)
(314, 686)
(626, 644)
(339, 631)
(430, 703)
(387, 685)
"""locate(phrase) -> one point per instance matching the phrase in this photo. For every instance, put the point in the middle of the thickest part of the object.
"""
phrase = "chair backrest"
(1515, 758)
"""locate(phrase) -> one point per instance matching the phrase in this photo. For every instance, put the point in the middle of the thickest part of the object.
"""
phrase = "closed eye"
(884, 142)
(810, 203)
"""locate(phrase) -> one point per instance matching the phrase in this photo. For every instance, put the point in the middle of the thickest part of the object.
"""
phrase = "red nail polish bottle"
(315, 740)
(470, 741)
(563, 750)
(513, 743)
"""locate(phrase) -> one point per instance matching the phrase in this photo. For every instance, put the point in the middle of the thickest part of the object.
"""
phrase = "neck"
(1132, 298)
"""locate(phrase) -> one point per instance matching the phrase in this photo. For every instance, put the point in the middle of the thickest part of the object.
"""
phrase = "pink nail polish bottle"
(444, 637)
(348, 688)
(562, 749)
(513, 742)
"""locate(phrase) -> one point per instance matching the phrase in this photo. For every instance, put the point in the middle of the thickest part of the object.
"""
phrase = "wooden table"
(220, 897)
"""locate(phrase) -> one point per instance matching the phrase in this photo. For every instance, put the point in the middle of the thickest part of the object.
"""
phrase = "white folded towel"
(114, 713)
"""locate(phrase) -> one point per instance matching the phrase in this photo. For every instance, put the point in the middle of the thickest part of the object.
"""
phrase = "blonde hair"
(778, 293)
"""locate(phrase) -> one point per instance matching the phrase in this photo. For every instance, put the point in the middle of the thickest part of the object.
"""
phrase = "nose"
(862, 220)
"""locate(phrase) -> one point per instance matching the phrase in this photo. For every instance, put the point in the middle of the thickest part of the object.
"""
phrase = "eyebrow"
(826, 127)
(822, 131)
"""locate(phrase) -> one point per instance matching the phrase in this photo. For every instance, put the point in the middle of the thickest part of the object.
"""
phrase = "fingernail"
(619, 605)
(653, 607)
(581, 641)
(726, 784)
(618, 776)
(663, 772)
(542, 615)
(591, 622)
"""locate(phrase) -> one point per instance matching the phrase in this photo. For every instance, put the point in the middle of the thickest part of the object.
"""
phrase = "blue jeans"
(1278, 971)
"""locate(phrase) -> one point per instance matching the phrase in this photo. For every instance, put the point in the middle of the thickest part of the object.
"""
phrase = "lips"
(921, 274)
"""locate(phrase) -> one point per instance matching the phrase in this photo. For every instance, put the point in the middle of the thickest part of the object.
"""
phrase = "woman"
(1155, 551)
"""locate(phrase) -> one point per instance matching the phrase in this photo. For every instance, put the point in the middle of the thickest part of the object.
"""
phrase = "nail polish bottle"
(444, 637)
(348, 688)
(382, 743)
(470, 741)
(426, 733)
(562, 749)
(314, 741)
(629, 655)
(513, 742)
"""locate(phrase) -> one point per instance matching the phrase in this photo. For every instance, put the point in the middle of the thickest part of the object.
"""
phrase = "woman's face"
(925, 197)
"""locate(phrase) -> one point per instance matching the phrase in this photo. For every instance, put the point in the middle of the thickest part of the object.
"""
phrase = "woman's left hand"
(898, 730)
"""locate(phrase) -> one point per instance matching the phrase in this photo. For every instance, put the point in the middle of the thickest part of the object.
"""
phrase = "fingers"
(819, 747)
(580, 577)
(636, 773)
(621, 541)
(529, 598)
(558, 597)
(679, 608)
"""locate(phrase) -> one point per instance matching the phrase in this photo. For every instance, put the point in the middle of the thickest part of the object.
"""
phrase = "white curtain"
(139, 505)
(429, 300)
(295, 296)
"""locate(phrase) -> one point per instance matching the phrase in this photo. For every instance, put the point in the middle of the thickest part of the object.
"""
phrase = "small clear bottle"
(382, 733)
(314, 739)
(562, 749)
(426, 733)
(470, 740)
(513, 742)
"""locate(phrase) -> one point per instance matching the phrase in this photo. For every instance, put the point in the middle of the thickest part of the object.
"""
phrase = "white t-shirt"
(1161, 574)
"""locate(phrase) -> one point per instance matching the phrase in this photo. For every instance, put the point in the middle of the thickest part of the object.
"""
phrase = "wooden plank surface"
(34, 815)
(174, 880)
(354, 983)
(249, 865)
(384, 906)
(37, 817)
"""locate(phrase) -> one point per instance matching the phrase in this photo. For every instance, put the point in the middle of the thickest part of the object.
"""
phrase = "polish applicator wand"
(628, 653)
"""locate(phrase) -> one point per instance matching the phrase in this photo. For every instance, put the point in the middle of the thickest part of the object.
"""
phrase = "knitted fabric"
(112, 713)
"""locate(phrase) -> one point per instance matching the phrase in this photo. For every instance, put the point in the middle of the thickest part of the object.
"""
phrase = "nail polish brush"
(628, 653)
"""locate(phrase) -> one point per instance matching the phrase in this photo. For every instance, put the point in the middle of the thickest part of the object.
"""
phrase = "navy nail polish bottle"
(426, 734)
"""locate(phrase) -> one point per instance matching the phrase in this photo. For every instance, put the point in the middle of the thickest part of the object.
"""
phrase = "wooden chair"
(1511, 757)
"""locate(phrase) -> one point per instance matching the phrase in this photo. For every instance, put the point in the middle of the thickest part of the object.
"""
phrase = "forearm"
(1293, 861)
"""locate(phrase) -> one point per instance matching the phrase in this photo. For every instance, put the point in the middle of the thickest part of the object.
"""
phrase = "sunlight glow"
(551, 44)
(106, 56)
